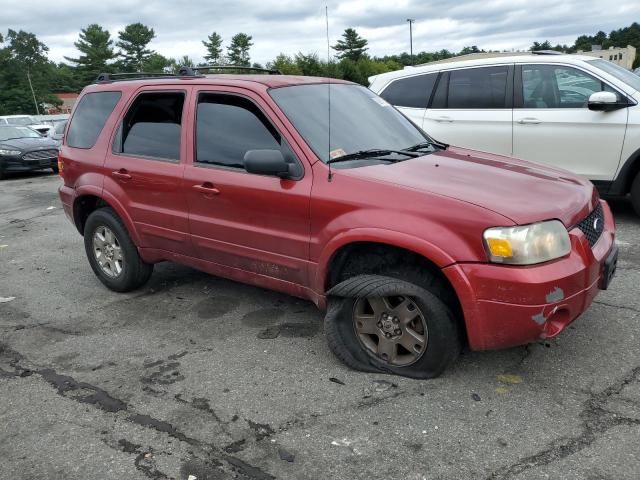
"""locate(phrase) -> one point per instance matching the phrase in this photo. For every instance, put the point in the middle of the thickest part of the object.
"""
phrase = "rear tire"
(438, 341)
(635, 194)
(112, 254)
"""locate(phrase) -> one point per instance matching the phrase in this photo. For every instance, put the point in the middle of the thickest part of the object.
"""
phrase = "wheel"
(635, 194)
(55, 169)
(382, 324)
(113, 256)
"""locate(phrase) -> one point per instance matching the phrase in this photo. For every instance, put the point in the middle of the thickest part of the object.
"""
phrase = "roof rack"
(119, 77)
(189, 71)
(184, 71)
(546, 52)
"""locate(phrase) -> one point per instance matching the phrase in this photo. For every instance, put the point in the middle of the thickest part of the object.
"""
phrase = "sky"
(291, 26)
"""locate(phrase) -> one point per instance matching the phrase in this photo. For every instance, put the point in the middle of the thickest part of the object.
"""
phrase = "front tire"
(635, 194)
(383, 324)
(112, 254)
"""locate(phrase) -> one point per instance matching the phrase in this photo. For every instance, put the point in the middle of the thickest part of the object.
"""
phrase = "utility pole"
(33, 93)
(411, 20)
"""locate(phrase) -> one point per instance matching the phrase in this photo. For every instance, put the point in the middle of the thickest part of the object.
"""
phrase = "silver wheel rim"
(107, 251)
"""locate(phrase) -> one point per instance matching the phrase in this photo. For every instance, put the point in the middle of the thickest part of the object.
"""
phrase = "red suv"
(323, 190)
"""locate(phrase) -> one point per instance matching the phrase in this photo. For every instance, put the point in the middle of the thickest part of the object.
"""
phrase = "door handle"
(529, 120)
(443, 118)
(121, 174)
(207, 188)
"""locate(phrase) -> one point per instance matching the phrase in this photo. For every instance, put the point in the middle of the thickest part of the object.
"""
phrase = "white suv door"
(472, 107)
(552, 124)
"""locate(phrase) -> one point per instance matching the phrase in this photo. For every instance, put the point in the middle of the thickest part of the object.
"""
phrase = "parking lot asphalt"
(196, 377)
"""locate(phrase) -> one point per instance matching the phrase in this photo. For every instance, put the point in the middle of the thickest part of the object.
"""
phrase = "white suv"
(575, 112)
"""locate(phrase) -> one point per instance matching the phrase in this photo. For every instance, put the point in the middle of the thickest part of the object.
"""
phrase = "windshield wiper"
(373, 153)
(427, 144)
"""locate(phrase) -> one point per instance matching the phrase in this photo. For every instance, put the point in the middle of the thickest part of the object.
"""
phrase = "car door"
(472, 108)
(251, 223)
(552, 124)
(144, 167)
(411, 95)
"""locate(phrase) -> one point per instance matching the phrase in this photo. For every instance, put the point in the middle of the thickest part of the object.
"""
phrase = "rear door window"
(478, 88)
(413, 91)
(89, 118)
(152, 126)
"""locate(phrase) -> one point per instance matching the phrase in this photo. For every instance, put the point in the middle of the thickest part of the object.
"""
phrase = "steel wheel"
(393, 329)
(107, 251)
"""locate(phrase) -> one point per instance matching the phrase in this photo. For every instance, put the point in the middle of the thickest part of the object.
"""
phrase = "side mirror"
(604, 102)
(266, 162)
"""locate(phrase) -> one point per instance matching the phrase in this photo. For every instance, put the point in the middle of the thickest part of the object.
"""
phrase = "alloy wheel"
(107, 251)
(393, 329)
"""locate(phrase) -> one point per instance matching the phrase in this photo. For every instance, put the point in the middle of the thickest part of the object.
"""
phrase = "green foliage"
(23, 58)
(95, 45)
(238, 49)
(213, 44)
(133, 41)
(352, 46)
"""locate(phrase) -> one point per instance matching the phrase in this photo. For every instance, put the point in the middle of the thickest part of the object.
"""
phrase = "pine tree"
(214, 48)
(95, 45)
(352, 46)
(133, 44)
(238, 50)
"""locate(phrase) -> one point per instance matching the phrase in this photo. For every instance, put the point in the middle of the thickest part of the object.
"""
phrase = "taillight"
(60, 165)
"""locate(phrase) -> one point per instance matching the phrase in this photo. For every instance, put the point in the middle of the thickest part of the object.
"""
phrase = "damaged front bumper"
(505, 306)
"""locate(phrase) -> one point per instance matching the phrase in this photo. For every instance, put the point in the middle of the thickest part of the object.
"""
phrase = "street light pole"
(411, 20)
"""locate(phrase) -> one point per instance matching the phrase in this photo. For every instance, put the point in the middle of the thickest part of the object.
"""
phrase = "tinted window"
(151, 127)
(410, 92)
(227, 127)
(90, 117)
(478, 88)
(555, 86)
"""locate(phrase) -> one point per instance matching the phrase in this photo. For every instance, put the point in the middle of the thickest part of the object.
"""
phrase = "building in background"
(620, 56)
(68, 101)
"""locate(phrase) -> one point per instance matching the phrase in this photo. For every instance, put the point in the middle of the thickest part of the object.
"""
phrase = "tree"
(95, 45)
(351, 46)
(537, 46)
(23, 65)
(238, 49)
(133, 44)
(214, 48)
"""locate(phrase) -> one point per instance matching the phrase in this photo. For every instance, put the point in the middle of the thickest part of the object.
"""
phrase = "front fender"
(394, 238)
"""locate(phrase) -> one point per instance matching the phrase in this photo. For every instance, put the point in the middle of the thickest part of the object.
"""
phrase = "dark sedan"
(23, 149)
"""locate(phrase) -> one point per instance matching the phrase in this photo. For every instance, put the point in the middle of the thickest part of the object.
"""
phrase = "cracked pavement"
(197, 377)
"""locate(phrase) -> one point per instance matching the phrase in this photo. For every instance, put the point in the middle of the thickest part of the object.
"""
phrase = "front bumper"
(18, 164)
(505, 306)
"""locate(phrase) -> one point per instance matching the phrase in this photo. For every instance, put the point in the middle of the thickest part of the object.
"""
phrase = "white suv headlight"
(527, 244)
(11, 153)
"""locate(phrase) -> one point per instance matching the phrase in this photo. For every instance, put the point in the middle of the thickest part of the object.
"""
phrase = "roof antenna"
(326, 15)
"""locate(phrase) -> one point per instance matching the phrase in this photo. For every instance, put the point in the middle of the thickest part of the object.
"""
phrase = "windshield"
(360, 120)
(7, 133)
(19, 121)
(617, 71)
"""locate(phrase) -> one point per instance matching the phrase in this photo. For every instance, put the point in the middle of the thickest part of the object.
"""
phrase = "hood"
(522, 191)
(27, 144)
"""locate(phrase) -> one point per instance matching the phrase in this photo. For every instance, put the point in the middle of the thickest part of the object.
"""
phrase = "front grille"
(40, 155)
(593, 225)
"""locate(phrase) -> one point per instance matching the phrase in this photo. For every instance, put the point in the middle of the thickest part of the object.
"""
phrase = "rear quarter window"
(411, 92)
(89, 118)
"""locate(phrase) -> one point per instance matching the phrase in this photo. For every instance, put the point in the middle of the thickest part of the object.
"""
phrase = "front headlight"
(527, 244)
(11, 153)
